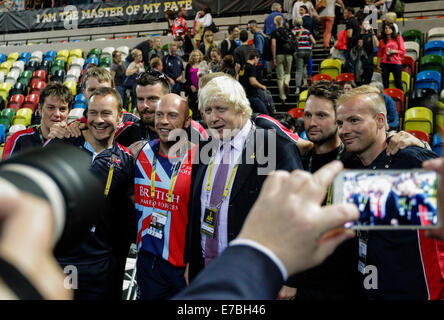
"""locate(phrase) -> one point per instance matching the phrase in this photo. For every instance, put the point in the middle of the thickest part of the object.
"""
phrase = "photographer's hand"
(26, 241)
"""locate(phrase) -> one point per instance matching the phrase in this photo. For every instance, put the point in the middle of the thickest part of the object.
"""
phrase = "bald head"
(171, 113)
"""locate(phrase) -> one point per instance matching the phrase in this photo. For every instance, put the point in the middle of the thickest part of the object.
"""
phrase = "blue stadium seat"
(80, 98)
(24, 56)
(2, 133)
(50, 54)
(3, 58)
(437, 144)
(428, 79)
(434, 47)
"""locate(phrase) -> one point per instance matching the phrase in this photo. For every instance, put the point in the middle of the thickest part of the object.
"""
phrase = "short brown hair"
(327, 90)
(101, 74)
(105, 91)
(58, 90)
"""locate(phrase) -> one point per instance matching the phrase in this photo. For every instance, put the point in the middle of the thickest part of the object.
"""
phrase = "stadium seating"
(75, 114)
(302, 99)
(108, 51)
(17, 98)
(296, 112)
(78, 53)
(18, 65)
(124, 50)
(62, 55)
(435, 34)
(95, 52)
(5, 122)
(412, 49)
(105, 61)
(79, 105)
(24, 56)
(437, 144)
(31, 101)
(24, 113)
(33, 65)
(344, 77)
(413, 35)
(419, 118)
(332, 67)
(8, 114)
(320, 77)
(428, 79)
(408, 65)
(18, 88)
(94, 60)
(421, 135)
(40, 74)
(58, 75)
(5, 87)
(13, 56)
(432, 62)
(434, 47)
(424, 97)
(405, 81)
(3, 130)
(36, 56)
(3, 57)
(37, 86)
(72, 85)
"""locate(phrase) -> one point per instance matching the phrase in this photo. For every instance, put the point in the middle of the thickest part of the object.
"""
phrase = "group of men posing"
(191, 198)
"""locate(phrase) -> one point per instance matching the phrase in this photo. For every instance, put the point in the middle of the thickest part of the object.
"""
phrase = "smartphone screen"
(389, 199)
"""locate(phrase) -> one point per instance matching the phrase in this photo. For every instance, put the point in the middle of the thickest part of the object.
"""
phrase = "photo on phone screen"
(389, 198)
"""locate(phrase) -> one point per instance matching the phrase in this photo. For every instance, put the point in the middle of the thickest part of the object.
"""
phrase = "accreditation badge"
(209, 221)
(362, 252)
(157, 224)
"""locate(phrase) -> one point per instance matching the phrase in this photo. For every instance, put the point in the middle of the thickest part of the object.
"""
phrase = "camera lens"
(60, 174)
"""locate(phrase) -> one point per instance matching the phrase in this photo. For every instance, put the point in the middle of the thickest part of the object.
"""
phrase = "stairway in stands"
(318, 54)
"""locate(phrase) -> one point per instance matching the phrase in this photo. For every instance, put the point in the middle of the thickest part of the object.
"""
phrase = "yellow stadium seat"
(76, 53)
(63, 53)
(405, 81)
(25, 113)
(332, 67)
(6, 65)
(302, 98)
(19, 120)
(13, 56)
(419, 118)
(72, 86)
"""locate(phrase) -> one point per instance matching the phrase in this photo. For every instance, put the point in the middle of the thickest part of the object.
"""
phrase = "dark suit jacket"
(245, 190)
(240, 272)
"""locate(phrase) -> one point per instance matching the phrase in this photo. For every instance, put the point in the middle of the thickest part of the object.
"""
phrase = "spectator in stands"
(207, 44)
(228, 65)
(118, 72)
(180, 52)
(19, 5)
(391, 50)
(228, 45)
(136, 67)
(367, 43)
(54, 105)
(305, 45)
(156, 64)
(144, 47)
(6, 5)
(348, 85)
(157, 49)
(390, 17)
(241, 52)
(179, 25)
(392, 113)
(287, 121)
(173, 68)
(307, 21)
(259, 43)
(247, 78)
(202, 22)
(353, 33)
(216, 60)
(297, 5)
(327, 18)
(269, 26)
(192, 75)
(281, 59)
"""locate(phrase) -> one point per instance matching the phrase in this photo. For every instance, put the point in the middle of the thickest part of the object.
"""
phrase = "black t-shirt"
(337, 277)
(244, 78)
(241, 54)
(227, 47)
(131, 132)
(353, 24)
(275, 34)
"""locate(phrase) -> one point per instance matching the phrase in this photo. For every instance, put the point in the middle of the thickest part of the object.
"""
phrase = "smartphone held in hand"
(389, 199)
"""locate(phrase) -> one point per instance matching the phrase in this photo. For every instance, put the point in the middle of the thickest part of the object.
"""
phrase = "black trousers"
(396, 69)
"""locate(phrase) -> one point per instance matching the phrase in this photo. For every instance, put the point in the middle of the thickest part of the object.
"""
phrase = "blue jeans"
(258, 105)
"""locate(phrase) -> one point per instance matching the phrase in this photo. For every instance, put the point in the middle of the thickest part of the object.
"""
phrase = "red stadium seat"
(296, 112)
(14, 105)
(421, 135)
(31, 101)
(398, 96)
(408, 65)
(40, 74)
(37, 86)
(344, 77)
(320, 77)
(17, 98)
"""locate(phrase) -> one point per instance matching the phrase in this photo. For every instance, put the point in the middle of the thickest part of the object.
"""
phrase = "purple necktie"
(217, 191)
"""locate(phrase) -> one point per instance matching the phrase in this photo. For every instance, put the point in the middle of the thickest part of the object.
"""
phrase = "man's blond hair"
(375, 100)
